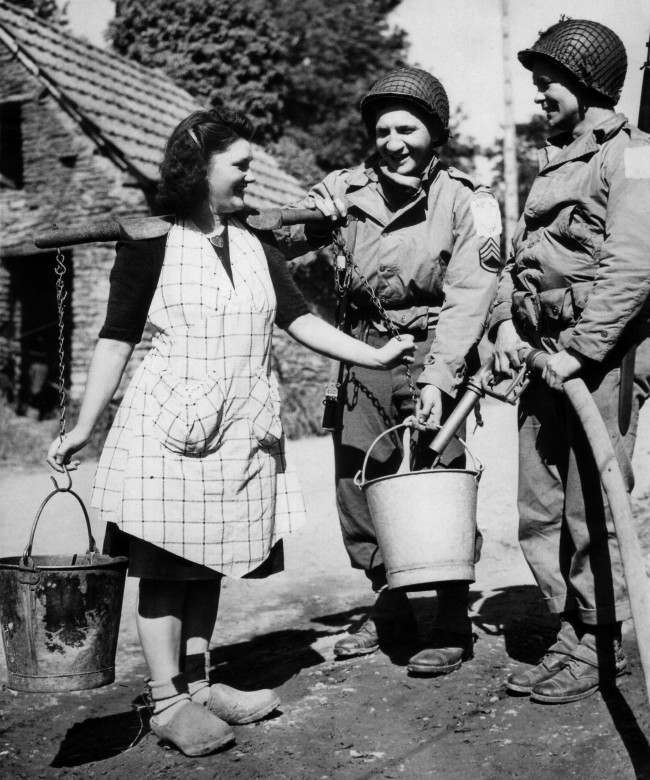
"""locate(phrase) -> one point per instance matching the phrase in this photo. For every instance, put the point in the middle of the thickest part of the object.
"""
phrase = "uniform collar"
(365, 181)
(561, 149)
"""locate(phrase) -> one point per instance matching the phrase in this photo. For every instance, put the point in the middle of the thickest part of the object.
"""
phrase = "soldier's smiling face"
(403, 140)
(556, 96)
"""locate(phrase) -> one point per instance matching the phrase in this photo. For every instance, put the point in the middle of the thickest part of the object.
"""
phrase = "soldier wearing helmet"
(577, 284)
(426, 239)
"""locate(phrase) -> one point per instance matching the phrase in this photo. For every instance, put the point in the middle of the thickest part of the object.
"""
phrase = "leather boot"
(525, 678)
(451, 641)
(445, 652)
(190, 727)
(390, 619)
(594, 663)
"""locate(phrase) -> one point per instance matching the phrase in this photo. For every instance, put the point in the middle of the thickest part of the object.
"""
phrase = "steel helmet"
(411, 85)
(591, 52)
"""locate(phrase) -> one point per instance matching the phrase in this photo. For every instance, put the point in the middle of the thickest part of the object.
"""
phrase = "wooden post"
(511, 195)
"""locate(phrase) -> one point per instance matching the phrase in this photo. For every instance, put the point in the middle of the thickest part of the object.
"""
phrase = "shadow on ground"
(97, 739)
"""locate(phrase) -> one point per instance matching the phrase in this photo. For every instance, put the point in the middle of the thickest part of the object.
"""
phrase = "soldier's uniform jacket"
(582, 246)
(433, 262)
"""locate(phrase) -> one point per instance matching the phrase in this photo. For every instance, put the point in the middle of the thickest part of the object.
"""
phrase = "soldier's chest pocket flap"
(576, 230)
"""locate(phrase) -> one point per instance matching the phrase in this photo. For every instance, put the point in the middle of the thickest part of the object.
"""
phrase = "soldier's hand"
(429, 409)
(506, 348)
(333, 208)
(560, 367)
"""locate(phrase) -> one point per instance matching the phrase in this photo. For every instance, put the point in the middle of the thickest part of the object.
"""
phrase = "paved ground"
(354, 719)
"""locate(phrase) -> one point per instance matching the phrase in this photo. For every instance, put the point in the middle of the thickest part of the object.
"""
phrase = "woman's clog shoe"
(194, 730)
(240, 707)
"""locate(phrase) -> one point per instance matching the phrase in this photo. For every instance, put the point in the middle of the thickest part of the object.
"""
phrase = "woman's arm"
(106, 368)
(324, 338)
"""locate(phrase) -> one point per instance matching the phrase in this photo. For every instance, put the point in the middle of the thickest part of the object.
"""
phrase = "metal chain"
(342, 250)
(358, 387)
(61, 295)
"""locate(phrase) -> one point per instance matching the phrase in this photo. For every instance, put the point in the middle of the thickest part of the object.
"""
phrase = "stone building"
(82, 132)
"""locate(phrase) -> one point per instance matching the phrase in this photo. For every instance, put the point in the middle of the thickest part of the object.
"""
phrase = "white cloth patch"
(486, 215)
(637, 162)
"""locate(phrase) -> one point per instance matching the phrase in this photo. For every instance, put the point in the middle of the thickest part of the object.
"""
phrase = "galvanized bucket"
(425, 521)
(60, 615)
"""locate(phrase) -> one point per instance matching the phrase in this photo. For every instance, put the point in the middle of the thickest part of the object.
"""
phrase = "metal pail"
(425, 521)
(60, 615)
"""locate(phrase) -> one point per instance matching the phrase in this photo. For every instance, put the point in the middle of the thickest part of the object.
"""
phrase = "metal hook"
(69, 478)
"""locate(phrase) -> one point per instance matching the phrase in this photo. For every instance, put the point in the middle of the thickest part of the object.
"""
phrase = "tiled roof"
(132, 107)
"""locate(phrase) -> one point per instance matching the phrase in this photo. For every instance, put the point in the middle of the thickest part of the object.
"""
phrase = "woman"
(193, 471)
(427, 242)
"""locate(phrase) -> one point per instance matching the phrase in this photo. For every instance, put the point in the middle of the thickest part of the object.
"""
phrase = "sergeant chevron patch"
(490, 255)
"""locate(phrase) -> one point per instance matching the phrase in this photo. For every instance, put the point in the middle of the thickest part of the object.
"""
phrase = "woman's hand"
(396, 351)
(60, 451)
(560, 367)
(428, 413)
(506, 349)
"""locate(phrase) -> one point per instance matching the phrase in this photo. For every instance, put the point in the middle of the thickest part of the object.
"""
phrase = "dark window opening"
(35, 313)
(11, 146)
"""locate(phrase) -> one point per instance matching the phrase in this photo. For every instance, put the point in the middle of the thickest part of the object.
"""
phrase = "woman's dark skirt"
(150, 562)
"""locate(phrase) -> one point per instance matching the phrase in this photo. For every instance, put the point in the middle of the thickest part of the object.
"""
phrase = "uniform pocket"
(188, 414)
(263, 410)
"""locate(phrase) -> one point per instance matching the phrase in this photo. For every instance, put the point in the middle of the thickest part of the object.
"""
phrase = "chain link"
(61, 296)
(343, 251)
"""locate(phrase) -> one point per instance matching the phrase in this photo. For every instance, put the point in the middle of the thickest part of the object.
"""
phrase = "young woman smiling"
(193, 478)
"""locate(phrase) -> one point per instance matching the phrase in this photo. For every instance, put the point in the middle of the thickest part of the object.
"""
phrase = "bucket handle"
(360, 478)
(92, 546)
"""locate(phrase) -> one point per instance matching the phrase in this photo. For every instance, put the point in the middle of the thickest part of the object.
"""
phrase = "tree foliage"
(338, 49)
(221, 51)
(298, 68)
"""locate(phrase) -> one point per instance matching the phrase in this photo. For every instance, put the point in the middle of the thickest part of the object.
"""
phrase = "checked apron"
(194, 462)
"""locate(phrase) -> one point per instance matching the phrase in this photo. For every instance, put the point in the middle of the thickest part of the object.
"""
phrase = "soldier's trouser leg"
(375, 401)
(540, 496)
(566, 530)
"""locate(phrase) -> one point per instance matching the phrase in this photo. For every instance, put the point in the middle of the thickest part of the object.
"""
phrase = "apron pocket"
(188, 414)
(263, 410)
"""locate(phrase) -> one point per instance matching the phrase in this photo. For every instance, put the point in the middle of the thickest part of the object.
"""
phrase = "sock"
(167, 696)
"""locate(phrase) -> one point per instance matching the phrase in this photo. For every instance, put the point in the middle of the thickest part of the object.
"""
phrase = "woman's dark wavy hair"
(183, 183)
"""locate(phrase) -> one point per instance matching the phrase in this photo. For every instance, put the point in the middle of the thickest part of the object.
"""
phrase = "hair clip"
(192, 135)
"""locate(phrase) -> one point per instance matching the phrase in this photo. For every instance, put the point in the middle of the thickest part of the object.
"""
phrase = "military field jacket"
(587, 219)
(434, 261)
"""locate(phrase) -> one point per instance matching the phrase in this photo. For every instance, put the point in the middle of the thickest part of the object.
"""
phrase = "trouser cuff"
(604, 616)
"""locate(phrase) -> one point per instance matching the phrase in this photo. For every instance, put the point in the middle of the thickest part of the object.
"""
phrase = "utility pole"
(511, 199)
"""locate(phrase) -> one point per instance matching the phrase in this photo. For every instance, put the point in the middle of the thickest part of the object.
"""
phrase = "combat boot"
(451, 641)
(525, 678)
(445, 652)
(390, 620)
(594, 664)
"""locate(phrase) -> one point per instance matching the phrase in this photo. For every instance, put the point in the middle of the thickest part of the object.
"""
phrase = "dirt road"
(361, 718)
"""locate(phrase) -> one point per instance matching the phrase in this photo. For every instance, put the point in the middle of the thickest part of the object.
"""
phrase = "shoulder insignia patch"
(637, 162)
(487, 221)
(486, 215)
